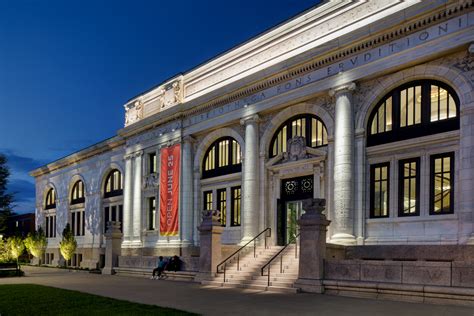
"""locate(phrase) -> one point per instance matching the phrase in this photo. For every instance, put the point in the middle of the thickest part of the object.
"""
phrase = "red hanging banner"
(169, 190)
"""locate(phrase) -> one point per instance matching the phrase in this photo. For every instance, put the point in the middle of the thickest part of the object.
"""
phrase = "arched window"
(50, 201)
(113, 184)
(415, 109)
(77, 193)
(222, 157)
(308, 126)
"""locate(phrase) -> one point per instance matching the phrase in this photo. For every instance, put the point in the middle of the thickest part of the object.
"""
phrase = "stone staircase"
(249, 274)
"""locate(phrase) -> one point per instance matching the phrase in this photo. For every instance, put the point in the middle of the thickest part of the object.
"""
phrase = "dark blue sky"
(67, 67)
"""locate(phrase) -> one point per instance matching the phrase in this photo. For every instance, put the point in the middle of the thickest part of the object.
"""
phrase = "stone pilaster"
(197, 203)
(137, 198)
(127, 200)
(250, 209)
(187, 191)
(343, 227)
(313, 226)
(466, 175)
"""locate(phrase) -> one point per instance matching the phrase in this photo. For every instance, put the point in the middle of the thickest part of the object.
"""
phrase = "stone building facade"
(369, 105)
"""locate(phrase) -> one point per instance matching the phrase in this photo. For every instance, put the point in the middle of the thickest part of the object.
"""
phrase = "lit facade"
(369, 105)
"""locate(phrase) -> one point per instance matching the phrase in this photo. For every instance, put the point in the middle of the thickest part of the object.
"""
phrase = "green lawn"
(29, 299)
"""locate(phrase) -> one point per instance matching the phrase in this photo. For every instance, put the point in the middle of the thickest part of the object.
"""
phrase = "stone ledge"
(401, 292)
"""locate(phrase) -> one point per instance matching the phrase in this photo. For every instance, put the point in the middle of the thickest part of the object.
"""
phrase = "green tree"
(4, 252)
(36, 243)
(6, 199)
(68, 244)
(16, 247)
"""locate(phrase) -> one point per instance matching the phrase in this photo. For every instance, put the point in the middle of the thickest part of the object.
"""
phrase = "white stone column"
(187, 190)
(137, 198)
(198, 208)
(127, 200)
(250, 187)
(343, 223)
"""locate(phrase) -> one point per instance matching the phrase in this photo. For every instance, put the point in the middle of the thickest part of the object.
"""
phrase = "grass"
(29, 299)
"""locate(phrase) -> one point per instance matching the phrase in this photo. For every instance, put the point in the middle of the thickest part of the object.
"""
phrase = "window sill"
(411, 219)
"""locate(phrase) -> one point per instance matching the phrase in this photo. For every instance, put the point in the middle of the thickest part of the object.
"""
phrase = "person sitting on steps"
(159, 270)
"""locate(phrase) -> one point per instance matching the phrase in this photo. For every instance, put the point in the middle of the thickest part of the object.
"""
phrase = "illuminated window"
(151, 218)
(77, 193)
(222, 204)
(113, 184)
(152, 166)
(223, 157)
(50, 201)
(379, 190)
(207, 200)
(442, 184)
(409, 187)
(236, 205)
(308, 126)
(412, 110)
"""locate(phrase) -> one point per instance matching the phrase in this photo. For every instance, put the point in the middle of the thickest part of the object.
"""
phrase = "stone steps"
(187, 276)
(278, 289)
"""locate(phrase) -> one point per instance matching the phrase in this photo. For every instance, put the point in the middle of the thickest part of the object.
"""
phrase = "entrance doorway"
(290, 207)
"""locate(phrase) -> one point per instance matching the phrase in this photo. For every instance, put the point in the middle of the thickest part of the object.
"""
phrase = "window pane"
(452, 107)
(443, 104)
(417, 104)
(403, 108)
(410, 106)
(381, 119)
(388, 114)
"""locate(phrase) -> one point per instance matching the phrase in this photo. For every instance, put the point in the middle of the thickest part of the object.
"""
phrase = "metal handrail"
(237, 253)
(279, 253)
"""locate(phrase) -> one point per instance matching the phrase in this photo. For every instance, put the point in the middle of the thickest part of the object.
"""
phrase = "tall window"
(152, 167)
(113, 213)
(50, 201)
(379, 190)
(236, 204)
(50, 220)
(223, 157)
(415, 109)
(77, 222)
(207, 200)
(442, 184)
(409, 187)
(151, 218)
(77, 193)
(113, 184)
(308, 126)
(222, 204)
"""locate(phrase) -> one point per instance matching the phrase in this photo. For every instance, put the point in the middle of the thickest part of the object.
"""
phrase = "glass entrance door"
(294, 210)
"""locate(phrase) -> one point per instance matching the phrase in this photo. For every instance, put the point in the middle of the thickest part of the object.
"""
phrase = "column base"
(310, 285)
(343, 239)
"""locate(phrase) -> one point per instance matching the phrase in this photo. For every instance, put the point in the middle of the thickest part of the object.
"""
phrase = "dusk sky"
(67, 67)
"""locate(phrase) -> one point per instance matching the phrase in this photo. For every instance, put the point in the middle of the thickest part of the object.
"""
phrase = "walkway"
(206, 301)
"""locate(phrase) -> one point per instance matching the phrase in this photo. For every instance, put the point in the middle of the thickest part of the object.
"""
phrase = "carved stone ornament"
(151, 181)
(133, 112)
(211, 215)
(466, 64)
(314, 206)
(170, 94)
(296, 149)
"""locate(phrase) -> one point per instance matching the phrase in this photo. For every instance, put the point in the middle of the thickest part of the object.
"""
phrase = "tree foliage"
(4, 252)
(36, 243)
(6, 199)
(68, 244)
(16, 246)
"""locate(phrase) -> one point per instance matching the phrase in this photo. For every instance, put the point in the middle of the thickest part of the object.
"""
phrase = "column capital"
(138, 153)
(250, 119)
(348, 87)
(128, 157)
(189, 139)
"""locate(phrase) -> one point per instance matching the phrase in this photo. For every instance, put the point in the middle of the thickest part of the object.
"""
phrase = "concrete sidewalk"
(208, 301)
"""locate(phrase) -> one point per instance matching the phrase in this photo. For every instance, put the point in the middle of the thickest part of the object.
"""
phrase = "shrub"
(15, 246)
(36, 243)
(68, 244)
(4, 252)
